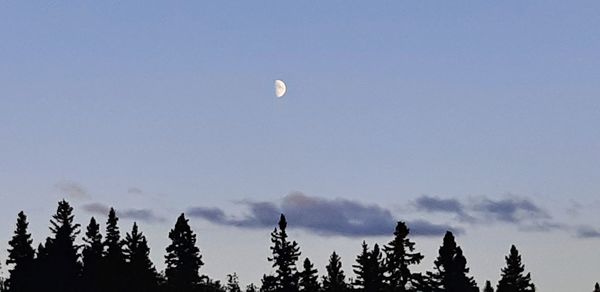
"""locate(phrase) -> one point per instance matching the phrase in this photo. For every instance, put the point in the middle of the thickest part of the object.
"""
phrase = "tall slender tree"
(285, 256)
(369, 269)
(597, 287)
(59, 258)
(92, 258)
(309, 278)
(513, 277)
(20, 256)
(400, 255)
(142, 275)
(183, 259)
(450, 271)
(335, 280)
(114, 259)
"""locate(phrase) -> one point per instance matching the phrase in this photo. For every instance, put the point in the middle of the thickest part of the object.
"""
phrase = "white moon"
(280, 88)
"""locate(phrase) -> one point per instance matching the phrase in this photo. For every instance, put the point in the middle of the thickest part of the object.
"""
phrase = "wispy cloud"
(135, 191)
(143, 215)
(72, 189)
(436, 204)
(341, 217)
(587, 232)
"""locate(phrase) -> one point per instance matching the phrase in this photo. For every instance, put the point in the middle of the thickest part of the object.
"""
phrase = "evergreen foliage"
(92, 258)
(20, 256)
(309, 278)
(488, 287)
(335, 280)
(513, 277)
(285, 256)
(183, 259)
(450, 270)
(400, 255)
(142, 275)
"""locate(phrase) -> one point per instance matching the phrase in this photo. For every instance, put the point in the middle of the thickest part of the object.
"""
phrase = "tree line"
(118, 264)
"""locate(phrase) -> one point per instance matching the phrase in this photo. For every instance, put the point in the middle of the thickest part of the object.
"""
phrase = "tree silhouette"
(488, 287)
(400, 255)
(513, 278)
(335, 280)
(268, 283)
(285, 255)
(309, 278)
(369, 269)
(251, 288)
(450, 271)
(183, 259)
(142, 275)
(60, 265)
(233, 283)
(92, 258)
(20, 255)
(597, 287)
(114, 259)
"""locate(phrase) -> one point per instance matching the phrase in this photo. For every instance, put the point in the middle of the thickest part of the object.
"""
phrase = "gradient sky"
(160, 107)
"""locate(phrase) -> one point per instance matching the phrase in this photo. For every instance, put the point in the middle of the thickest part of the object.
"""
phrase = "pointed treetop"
(282, 222)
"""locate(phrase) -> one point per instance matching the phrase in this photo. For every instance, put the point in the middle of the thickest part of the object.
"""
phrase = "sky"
(478, 117)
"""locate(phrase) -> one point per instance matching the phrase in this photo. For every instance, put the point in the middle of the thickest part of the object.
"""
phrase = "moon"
(280, 88)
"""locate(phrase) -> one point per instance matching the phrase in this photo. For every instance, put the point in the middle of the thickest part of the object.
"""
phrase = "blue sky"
(163, 107)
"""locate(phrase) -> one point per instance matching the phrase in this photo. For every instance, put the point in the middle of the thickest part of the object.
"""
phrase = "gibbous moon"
(280, 88)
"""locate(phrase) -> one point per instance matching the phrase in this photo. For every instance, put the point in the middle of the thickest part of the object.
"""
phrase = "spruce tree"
(92, 258)
(268, 283)
(233, 283)
(59, 258)
(400, 255)
(513, 278)
(335, 280)
(20, 255)
(114, 258)
(488, 287)
(142, 275)
(450, 271)
(285, 255)
(183, 259)
(369, 269)
(597, 287)
(309, 278)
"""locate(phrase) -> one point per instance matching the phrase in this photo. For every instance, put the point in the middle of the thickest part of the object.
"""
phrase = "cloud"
(587, 232)
(322, 216)
(512, 210)
(72, 189)
(143, 215)
(434, 204)
(135, 191)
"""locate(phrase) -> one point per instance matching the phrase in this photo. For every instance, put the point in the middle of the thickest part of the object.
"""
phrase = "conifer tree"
(142, 275)
(400, 255)
(309, 278)
(60, 260)
(285, 255)
(597, 287)
(268, 283)
(488, 287)
(183, 259)
(450, 271)
(92, 258)
(20, 255)
(513, 278)
(233, 283)
(369, 269)
(335, 280)
(114, 258)
(251, 288)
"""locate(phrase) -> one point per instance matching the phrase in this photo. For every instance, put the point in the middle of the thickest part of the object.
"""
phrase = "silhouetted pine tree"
(183, 259)
(251, 288)
(113, 269)
(488, 287)
(369, 270)
(142, 275)
(450, 271)
(268, 283)
(233, 283)
(285, 255)
(60, 267)
(513, 278)
(92, 258)
(335, 280)
(20, 255)
(597, 287)
(309, 278)
(400, 254)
